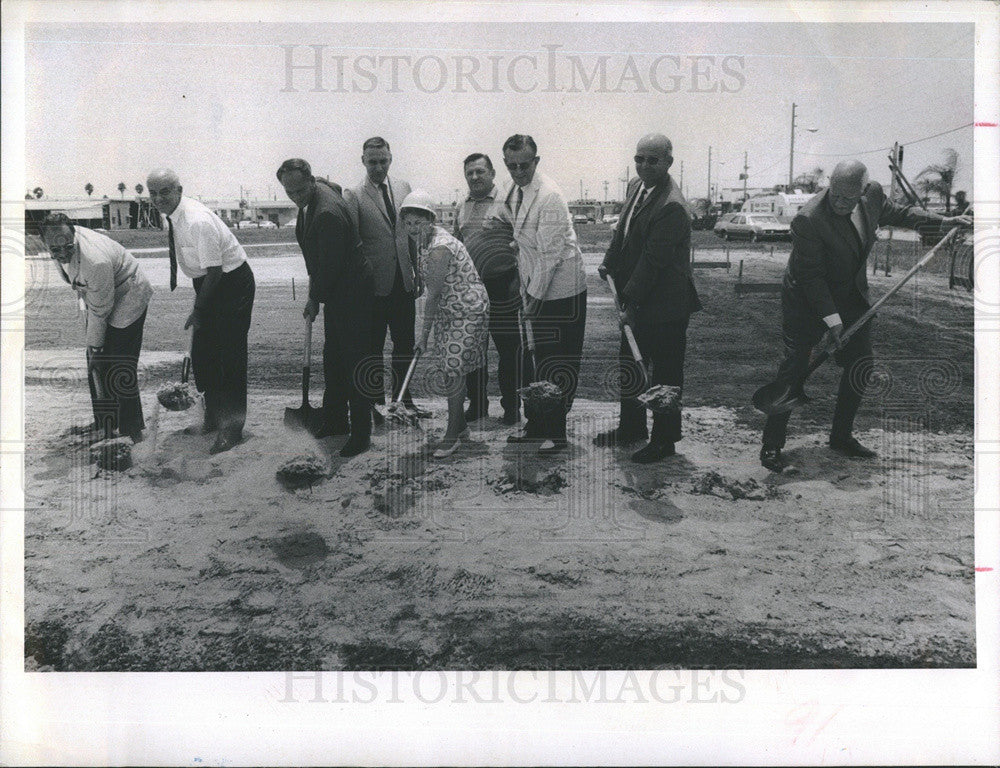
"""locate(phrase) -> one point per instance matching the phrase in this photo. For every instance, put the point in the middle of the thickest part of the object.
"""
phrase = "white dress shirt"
(549, 259)
(202, 240)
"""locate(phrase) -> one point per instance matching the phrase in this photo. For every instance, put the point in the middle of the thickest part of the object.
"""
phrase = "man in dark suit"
(340, 278)
(650, 261)
(825, 287)
(375, 205)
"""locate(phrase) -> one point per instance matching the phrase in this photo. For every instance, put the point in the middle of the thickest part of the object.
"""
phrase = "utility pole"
(581, 189)
(791, 153)
(709, 195)
(897, 158)
(680, 181)
(605, 191)
(745, 175)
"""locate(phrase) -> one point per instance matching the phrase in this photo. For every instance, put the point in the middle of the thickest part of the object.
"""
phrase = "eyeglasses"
(62, 249)
(643, 159)
(521, 166)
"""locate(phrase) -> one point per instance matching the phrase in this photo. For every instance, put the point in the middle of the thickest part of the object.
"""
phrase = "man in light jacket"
(116, 292)
(553, 285)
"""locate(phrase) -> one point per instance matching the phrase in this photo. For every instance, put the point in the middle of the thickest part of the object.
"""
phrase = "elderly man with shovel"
(825, 287)
(648, 265)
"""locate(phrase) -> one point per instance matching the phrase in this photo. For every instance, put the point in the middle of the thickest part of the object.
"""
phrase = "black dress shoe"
(224, 442)
(475, 414)
(653, 452)
(772, 459)
(332, 430)
(619, 436)
(355, 445)
(510, 417)
(377, 417)
(851, 448)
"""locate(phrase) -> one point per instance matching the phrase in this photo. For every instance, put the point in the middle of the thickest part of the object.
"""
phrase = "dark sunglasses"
(520, 166)
(640, 159)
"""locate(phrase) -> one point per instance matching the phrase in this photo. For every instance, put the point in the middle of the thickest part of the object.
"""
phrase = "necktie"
(389, 208)
(520, 199)
(173, 254)
(638, 204)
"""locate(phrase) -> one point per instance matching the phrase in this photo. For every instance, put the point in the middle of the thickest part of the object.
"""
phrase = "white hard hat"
(420, 201)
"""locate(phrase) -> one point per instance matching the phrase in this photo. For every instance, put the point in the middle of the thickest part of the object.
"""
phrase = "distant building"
(281, 213)
(446, 213)
(783, 205)
(95, 214)
(594, 209)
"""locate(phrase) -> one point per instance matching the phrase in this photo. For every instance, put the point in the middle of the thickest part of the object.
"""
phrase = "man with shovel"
(340, 278)
(206, 250)
(649, 262)
(825, 288)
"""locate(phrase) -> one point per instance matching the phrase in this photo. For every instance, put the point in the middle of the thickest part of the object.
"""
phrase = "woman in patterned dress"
(456, 308)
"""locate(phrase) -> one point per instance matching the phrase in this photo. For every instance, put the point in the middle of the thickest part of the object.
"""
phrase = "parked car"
(753, 227)
(704, 220)
(720, 225)
(256, 224)
(582, 218)
(611, 219)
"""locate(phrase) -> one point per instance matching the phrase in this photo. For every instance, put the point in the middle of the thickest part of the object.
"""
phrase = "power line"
(885, 149)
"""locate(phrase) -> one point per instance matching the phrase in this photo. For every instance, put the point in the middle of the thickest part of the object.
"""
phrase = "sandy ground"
(493, 558)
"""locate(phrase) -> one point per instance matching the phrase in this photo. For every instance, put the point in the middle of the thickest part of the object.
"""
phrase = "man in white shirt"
(553, 284)
(108, 279)
(825, 288)
(207, 251)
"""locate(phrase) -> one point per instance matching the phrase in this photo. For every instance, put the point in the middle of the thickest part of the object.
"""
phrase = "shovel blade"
(302, 418)
(776, 397)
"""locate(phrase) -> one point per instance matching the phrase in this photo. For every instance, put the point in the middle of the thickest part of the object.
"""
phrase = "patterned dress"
(461, 326)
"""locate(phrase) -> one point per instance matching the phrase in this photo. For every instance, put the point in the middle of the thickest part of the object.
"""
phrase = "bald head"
(847, 182)
(164, 190)
(653, 158)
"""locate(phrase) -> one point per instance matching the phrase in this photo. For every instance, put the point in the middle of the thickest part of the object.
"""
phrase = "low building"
(594, 209)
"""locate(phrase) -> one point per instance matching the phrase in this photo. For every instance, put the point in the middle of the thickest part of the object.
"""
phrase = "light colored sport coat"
(383, 245)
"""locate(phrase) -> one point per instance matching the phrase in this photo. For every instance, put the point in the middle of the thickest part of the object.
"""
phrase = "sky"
(108, 102)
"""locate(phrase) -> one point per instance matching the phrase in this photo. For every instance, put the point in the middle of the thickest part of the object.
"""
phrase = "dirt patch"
(497, 558)
(727, 488)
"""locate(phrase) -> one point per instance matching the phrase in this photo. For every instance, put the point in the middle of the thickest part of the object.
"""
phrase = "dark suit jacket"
(652, 265)
(382, 244)
(339, 274)
(826, 271)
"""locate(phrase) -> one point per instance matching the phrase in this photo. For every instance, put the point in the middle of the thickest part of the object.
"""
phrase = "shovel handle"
(306, 362)
(409, 375)
(529, 333)
(186, 363)
(860, 322)
(627, 329)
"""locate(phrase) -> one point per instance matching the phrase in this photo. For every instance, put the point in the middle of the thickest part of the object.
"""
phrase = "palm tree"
(939, 178)
(138, 189)
(89, 189)
(38, 192)
(808, 182)
(121, 188)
